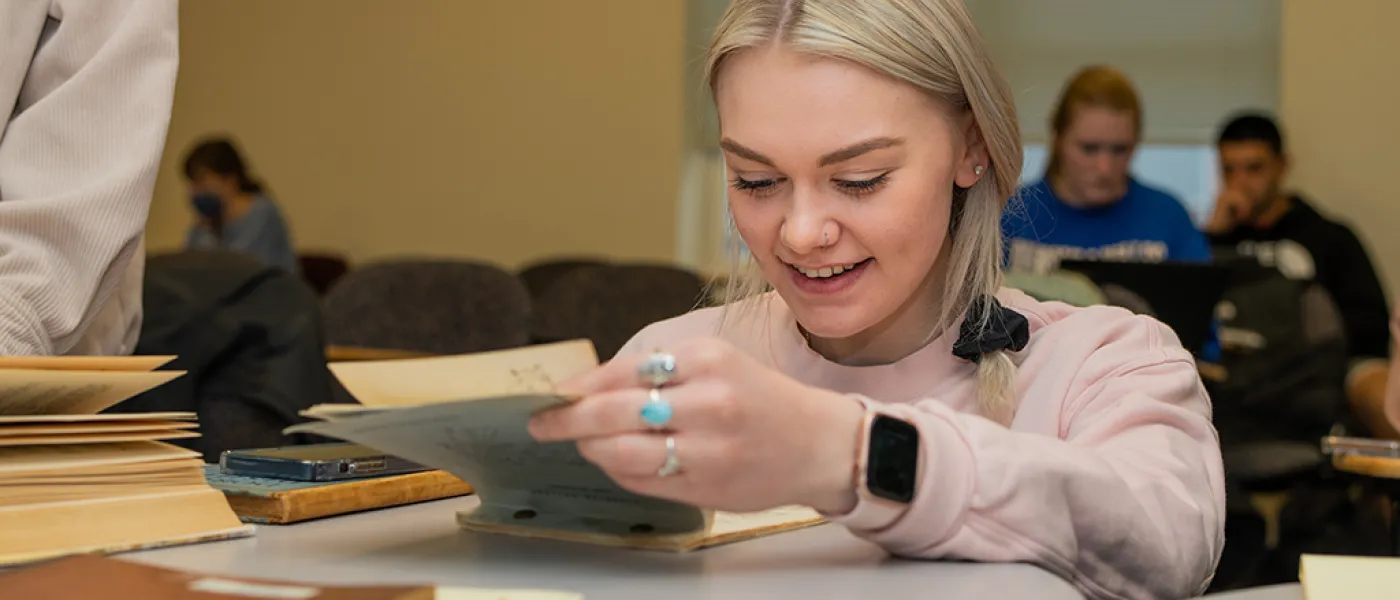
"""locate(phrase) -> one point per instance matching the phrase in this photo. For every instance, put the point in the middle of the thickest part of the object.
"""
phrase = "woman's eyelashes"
(851, 187)
(861, 187)
(754, 186)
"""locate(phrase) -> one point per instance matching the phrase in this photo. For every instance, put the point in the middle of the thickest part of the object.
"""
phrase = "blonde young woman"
(886, 379)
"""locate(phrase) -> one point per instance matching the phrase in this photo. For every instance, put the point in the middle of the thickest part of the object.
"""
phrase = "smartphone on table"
(315, 462)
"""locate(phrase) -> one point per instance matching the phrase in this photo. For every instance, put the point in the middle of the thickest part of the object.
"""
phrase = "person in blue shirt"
(232, 210)
(1088, 206)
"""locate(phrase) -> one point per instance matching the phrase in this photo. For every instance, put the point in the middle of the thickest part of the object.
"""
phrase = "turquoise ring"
(657, 411)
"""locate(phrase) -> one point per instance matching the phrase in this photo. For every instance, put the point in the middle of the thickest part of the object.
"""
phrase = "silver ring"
(658, 369)
(673, 462)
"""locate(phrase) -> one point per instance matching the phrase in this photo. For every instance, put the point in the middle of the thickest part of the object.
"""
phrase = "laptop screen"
(1183, 295)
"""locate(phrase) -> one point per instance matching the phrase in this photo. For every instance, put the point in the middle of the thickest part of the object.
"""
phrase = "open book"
(467, 415)
(75, 481)
(1332, 577)
(76, 385)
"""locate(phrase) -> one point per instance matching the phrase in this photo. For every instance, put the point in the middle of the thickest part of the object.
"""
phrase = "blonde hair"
(932, 45)
(1097, 86)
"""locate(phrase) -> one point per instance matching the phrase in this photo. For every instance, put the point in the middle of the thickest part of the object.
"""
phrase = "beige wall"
(1341, 109)
(1225, 52)
(501, 130)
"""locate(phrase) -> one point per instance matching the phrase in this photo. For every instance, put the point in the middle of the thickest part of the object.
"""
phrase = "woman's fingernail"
(534, 428)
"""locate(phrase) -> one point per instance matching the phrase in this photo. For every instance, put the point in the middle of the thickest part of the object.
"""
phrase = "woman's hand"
(748, 437)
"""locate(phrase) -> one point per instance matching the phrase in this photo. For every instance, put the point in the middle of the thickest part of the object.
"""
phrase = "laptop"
(1182, 295)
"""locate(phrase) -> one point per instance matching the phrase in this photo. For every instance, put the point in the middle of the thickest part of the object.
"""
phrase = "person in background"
(233, 211)
(1254, 215)
(1087, 206)
(871, 146)
(86, 88)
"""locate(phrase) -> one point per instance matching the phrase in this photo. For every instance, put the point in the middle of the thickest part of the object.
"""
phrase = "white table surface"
(422, 544)
(1288, 591)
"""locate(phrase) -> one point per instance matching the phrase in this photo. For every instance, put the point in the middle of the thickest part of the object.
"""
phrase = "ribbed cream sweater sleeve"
(87, 86)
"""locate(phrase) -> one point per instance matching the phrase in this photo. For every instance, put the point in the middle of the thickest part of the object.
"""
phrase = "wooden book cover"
(178, 516)
(278, 501)
(99, 578)
(467, 415)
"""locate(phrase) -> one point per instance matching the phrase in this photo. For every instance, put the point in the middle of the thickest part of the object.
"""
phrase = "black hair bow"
(1006, 330)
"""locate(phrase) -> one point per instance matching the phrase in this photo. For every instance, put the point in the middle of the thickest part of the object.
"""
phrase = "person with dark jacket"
(1307, 316)
(1255, 216)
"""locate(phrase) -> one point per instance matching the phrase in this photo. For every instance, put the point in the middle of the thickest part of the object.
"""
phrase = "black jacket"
(250, 337)
(1330, 253)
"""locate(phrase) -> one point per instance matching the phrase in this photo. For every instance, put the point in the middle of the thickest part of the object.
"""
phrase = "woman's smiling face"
(841, 186)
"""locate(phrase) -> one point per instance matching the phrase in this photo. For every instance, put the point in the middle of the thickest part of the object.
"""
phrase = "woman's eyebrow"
(858, 149)
(830, 158)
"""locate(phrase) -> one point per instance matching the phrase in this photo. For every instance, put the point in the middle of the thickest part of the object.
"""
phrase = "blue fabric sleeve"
(264, 234)
(1192, 245)
(1185, 243)
(199, 238)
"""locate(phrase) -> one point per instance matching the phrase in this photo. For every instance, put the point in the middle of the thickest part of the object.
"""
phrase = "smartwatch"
(892, 458)
(887, 470)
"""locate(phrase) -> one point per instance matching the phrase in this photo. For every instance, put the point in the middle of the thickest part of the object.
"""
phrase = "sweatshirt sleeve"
(78, 157)
(265, 236)
(1125, 500)
(1351, 280)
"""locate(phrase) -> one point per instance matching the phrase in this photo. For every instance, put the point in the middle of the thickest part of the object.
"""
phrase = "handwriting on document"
(486, 445)
(533, 379)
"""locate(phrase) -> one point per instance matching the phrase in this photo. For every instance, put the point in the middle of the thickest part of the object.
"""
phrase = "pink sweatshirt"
(1110, 474)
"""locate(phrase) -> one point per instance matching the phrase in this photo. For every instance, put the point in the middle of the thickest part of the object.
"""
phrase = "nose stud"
(826, 239)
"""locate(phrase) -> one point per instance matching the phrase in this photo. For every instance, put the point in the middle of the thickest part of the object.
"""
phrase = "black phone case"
(233, 462)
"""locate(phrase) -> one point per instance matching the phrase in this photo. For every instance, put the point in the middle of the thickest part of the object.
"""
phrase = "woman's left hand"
(748, 437)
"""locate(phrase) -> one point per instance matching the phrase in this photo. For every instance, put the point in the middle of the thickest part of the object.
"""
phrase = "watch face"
(893, 464)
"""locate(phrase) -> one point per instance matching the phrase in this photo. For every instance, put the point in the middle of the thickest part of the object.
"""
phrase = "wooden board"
(1372, 466)
(272, 501)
